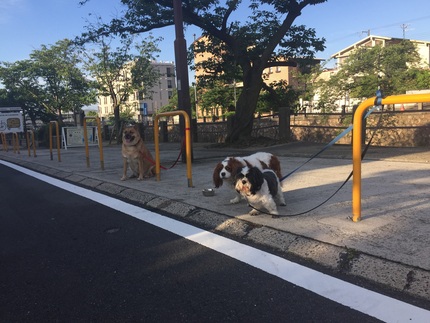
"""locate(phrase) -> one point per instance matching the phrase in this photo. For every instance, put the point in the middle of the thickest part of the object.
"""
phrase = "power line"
(383, 27)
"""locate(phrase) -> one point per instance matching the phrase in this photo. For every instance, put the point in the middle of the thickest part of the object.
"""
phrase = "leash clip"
(378, 99)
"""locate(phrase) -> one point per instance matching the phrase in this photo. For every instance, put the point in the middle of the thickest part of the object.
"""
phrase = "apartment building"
(144, 108)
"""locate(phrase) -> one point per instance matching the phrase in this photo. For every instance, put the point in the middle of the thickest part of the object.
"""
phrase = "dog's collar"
(138, 141)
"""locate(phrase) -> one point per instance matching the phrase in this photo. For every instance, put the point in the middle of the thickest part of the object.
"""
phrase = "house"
(423, 48)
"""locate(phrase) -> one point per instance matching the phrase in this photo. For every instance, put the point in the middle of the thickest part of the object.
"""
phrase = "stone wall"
(405, 129)
(402, 129)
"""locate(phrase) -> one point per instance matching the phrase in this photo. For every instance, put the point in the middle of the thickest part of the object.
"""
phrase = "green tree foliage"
(218, 96)
(395, 68)
(18, 92)
(51, 79)
(173, 102)
(276, 95)
(122, 71)
(242, 48)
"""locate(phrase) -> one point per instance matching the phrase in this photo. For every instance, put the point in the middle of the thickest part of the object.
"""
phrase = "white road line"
(379, 306)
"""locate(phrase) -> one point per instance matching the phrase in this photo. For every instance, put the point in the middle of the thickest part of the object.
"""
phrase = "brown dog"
(135, 154)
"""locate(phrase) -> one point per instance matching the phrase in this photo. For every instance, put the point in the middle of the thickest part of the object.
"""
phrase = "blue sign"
(144, 108)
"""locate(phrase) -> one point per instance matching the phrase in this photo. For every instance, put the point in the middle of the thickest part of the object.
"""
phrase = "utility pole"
(404, 28)
(366, 32)
(182, 82)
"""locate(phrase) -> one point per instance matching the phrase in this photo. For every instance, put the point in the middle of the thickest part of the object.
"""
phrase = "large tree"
(51, 79)
(266, 38)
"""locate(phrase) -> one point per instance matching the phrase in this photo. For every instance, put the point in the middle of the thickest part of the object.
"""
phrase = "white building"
(422, 46)
(145, 107)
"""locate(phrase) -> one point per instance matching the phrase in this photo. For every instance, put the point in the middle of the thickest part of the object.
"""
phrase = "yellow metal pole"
(50, 140)
(188, 148)
(157, 148)
(356, 158)
(28, 142)
(187, 143)
(100, 143)
(4, 142)
(57, 131)
(99, 134)
(28, 133)
(406, 98)
(87, 151)
(34, 144)
(357, 138)
(15, 142)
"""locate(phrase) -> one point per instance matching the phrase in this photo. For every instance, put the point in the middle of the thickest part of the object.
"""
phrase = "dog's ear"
(263, 165)
(238, 174)
(275, 165)
(216, 178)
(235, 165)
(256, 178)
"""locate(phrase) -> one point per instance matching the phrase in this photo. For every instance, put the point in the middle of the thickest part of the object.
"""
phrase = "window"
(169, 84)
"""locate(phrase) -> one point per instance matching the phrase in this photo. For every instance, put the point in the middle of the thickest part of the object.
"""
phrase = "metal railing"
(187, 143)
(29, 134)
(357, 140)
(15, 142)
(4, 141)
(57, 132)
(100, 141)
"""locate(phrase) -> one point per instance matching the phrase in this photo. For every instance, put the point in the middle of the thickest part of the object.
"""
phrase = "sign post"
(11, 120)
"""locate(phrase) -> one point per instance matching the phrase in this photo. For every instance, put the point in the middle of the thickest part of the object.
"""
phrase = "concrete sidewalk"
(390, 246)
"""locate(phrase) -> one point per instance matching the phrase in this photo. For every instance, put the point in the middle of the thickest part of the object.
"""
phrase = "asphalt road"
(65, 258)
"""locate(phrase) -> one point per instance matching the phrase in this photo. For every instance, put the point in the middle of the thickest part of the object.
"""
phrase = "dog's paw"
(254, 212)
(140, 178)
(124, 178)
(275, 216)
(283, 204)
(235, 200)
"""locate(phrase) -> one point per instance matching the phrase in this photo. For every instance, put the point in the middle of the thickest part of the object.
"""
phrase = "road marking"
(371, 303)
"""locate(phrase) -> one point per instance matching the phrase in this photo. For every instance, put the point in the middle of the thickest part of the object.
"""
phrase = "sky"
(25, 25)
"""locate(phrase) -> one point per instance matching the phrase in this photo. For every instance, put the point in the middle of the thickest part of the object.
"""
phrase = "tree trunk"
(60, 117)
(117, 124)
(245, 108)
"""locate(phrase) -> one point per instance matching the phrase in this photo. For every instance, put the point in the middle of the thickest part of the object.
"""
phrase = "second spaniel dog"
(261, 189)
(227, 169)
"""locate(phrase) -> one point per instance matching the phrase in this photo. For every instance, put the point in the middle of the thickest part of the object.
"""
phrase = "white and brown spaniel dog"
(227, 169)
(261, 189)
